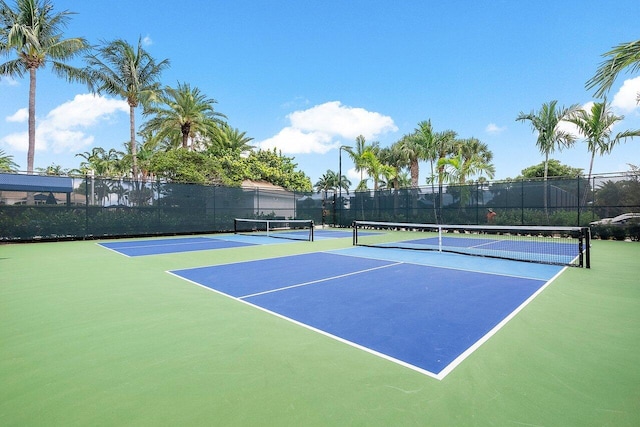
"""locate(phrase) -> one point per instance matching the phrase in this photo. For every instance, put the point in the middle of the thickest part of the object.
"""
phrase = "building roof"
(54, 184)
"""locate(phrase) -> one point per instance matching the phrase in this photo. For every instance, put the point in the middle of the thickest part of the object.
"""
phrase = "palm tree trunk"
(586, 190)
(32, 128)
(544, 188)
(132, 143)
(433, 194)
(32, 120)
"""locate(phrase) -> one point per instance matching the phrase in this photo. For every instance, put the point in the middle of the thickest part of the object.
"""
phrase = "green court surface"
(90, 337)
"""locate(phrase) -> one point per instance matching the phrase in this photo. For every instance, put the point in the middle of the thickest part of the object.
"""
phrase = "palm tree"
(357, 156)
(413, 150)
(546, 123)
(375, 168)
(34, 32)
(228, 138)
(121, 70)
(625, 55)
(6, 163)
(596, 126)
(397, 158)
(103, 163)
(418, 146)
(53, 169)
(475, 159)
(183, 112)
(330, 182)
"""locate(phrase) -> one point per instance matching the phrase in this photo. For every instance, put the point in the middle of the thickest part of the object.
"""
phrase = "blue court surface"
(554, 251)
(426, 312)
(144, 247)
(166, 246)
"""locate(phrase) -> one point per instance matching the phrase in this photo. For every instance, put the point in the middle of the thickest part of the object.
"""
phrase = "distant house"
(268, 200)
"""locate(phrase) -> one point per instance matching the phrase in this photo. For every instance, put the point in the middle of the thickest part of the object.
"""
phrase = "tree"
(475, 159)
(357, 155)
(375, 168)
(596, 126)
(418, 146)
(121, 70)
(53, 169)
(330, 181)
(186, 167)
(181, 114)
(102, 163)
(625, 55)
(546, 123)
(6, 163)
(34, 32)
(555, 169)
(228, 138)
(397, 158)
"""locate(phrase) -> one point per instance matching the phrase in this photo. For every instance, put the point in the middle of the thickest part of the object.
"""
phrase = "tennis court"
(421, 316)
(285, 332)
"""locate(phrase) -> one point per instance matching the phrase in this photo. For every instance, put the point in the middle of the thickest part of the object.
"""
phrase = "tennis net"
(548, 245)
(293, 229)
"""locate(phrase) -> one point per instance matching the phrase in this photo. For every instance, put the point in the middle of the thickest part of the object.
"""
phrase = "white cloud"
(8, 81)
(146, 40)
(64, 127)
(626, 99)
(494, 128)
(19, 116)
(292, 140)
(319, 129)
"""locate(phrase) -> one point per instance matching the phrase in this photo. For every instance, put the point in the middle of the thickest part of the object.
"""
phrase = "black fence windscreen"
(32, 208)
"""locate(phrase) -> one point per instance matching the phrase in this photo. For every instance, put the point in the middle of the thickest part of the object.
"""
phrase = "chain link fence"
(34, 207)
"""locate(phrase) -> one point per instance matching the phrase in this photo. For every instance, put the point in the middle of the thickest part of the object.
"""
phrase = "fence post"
(522, 201)
(579, 198)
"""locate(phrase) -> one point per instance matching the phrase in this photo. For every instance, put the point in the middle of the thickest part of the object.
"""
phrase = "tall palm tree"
(184, 112)
(357, 154)
(596, 126)
(419, 146)
(397, 158)
(475, 159)
(131, 73)
(625, 55)
(34, 32)
(413, 150)
(330, 181)
(546, 123)
(375, 168)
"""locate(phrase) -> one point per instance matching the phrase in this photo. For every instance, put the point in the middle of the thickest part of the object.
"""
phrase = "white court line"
(458, 360)
(165, 244)
(112, 250)
(319, 331)
(438, 376)
(436, 265)
(320, 280)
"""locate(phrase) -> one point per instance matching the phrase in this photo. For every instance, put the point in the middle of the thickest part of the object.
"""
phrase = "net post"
(587, 253)
(439, 238)
(355, 233)
(235, 226)
(581, 249)
(312, 231)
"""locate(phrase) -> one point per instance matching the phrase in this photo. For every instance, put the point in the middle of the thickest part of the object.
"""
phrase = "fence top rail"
(541, 228)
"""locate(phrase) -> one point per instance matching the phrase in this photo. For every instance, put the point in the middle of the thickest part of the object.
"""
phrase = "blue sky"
(309, 76)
